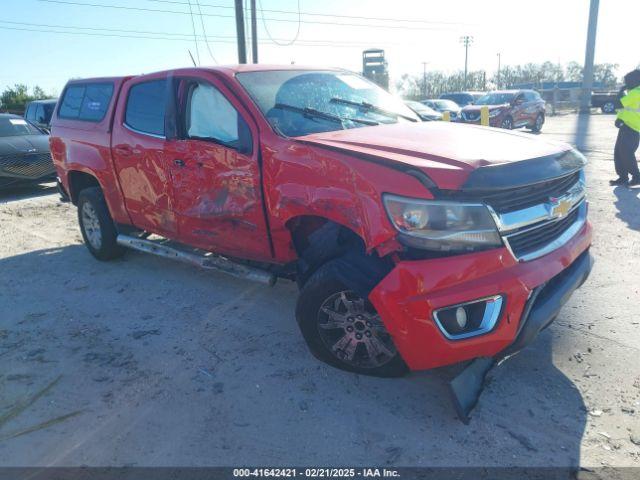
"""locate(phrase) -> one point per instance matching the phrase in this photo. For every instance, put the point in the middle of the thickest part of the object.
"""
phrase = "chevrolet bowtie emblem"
(560, 207)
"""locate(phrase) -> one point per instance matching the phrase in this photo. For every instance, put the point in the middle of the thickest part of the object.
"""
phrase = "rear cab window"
(87, 102)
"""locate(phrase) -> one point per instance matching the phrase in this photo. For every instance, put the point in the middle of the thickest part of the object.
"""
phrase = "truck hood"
(448, 153)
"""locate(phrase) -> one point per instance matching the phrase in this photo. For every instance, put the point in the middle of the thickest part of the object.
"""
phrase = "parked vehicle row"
(415, 244)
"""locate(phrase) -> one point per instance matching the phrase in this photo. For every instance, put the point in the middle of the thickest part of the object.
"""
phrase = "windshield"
(293, 101)
(446, 105)
(10, 126)
(495, 99)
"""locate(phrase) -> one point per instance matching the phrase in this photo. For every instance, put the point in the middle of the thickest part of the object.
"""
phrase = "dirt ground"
(146, 362)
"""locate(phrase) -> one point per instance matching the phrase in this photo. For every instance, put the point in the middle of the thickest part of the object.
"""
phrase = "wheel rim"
(352, 330)
(91, 226)
(608, 107)
(506, 123)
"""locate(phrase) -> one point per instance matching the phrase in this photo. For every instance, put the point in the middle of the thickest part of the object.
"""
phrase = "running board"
(208, 261)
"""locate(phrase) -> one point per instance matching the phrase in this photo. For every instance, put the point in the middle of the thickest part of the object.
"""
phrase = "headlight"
(442, 226)
(495, 113)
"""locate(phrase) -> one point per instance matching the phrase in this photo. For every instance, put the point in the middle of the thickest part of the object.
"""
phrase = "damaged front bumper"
(533, 293)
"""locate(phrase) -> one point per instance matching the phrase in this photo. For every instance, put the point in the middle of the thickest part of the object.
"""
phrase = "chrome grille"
(29, 166)
(534, 239)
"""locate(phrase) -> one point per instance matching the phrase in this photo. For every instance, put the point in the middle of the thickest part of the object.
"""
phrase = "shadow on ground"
(168, 365)
(628, 205)
(20, 192)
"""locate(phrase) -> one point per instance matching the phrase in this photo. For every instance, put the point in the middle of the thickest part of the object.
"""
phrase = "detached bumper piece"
(541, 309)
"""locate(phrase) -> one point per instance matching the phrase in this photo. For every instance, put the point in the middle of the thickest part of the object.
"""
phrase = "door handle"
(124, 150)
(179, 163)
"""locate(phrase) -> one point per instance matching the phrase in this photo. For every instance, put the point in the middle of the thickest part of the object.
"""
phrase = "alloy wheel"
(91, 225)
(352, 330)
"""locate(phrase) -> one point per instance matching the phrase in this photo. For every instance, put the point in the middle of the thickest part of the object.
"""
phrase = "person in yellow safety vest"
(628, 123)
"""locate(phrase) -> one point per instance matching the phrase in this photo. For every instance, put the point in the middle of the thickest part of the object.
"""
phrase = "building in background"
(375, 68)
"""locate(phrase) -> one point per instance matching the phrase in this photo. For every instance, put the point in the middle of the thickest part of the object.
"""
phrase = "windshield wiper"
(368, 107)
(312, 112)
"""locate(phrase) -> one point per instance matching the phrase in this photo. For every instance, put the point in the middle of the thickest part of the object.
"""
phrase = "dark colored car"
(443, 106)
(39, 113)
(425, 113)
(24, 152)
(509, 109)
(462, 98)
(607, 102)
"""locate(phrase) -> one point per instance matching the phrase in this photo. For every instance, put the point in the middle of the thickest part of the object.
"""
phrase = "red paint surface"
(216, 202)
(407, 297)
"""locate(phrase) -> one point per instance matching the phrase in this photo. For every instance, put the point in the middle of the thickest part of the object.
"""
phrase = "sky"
(410, 31)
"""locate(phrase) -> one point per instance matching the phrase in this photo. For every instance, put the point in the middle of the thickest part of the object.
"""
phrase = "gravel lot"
(146, 362)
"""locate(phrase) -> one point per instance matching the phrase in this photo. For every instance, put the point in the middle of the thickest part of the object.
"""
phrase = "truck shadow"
(212, 370)
(628, 205)
(21, 192)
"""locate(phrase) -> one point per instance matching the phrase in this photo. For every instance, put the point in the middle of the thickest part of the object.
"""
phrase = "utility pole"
(424, 79)
(587, 75)
(466, 41)
(242, 41)
(254, 33)
(498, 79)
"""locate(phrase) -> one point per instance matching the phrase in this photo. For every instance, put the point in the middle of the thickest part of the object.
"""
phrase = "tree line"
(414, 86)
(14, 99)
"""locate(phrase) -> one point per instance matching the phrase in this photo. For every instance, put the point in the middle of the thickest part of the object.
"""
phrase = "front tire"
(343, 329)
(96, 225)
(538, 123)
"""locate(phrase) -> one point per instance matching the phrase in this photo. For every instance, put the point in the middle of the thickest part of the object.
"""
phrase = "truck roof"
(228, 70)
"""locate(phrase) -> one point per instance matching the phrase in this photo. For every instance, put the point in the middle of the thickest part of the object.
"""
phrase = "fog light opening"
(469, 319)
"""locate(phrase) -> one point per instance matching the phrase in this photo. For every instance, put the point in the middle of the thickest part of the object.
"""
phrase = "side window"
(40, 114)
(30, 115)
(146, 107)
(88, 102)
(210, 116)
(96, 101)
(71, 102)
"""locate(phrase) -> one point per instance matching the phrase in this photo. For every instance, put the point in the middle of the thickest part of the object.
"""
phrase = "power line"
(141, 9)
(151, 32)
(332, 15)
(195, 39)
(306, 43)
(204, 32)
(266, 29)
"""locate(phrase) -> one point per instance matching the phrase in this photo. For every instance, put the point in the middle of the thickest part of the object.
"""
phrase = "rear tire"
(343, 330)
(96, 225)
(608, 108)
(507, 123)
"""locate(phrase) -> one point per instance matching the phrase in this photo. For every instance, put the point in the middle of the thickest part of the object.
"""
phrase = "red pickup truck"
(415, 245)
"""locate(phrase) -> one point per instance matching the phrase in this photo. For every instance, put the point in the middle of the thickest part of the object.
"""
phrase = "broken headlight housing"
(442, 226)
